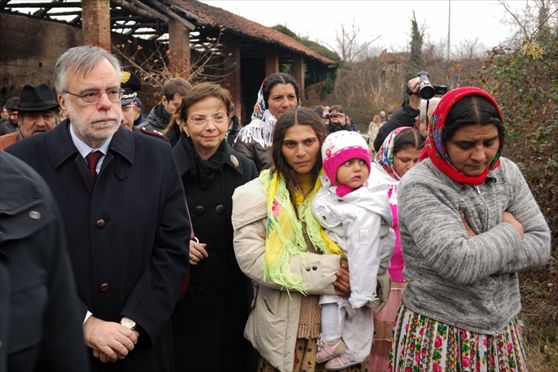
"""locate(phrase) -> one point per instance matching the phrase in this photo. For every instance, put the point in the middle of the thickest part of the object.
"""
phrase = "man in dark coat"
(38, 113)
(171, 97)
(404, 117)
(125, 213)
(9, 125)
(39, 314)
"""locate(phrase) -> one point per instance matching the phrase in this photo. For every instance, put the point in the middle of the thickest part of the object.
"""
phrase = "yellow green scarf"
(284, 231)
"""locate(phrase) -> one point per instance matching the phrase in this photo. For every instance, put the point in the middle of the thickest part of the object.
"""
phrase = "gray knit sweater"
(470, 283)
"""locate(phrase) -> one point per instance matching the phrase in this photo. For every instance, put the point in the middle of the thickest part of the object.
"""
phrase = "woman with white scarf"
(279, 92)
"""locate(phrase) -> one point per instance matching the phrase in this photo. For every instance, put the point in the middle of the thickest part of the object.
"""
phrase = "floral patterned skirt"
(423, 344)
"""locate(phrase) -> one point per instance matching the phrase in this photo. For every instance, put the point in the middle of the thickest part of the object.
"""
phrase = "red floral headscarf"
(436, 149)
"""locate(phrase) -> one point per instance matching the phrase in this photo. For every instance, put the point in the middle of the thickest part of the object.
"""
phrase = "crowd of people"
(184, 241)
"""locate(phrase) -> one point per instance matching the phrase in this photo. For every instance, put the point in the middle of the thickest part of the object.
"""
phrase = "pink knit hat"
(340, 147)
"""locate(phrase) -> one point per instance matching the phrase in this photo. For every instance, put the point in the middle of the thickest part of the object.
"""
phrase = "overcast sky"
(389, 21)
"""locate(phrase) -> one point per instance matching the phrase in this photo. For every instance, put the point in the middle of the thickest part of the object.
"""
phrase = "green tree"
(415, 58)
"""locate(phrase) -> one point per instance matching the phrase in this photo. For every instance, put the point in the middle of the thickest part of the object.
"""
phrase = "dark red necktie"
(92, 160)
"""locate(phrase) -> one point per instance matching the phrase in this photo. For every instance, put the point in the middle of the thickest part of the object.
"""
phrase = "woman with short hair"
(208, 322)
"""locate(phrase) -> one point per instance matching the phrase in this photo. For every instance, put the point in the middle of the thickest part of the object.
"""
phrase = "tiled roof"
(217, 17)
(393, 58)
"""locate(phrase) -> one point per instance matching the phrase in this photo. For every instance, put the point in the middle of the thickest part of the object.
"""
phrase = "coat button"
(100, 223)
(314, 268)
(199, 210)
(104, 287)
(220, 208)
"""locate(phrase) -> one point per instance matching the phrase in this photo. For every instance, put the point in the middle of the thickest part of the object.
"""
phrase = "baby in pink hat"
(355, 213)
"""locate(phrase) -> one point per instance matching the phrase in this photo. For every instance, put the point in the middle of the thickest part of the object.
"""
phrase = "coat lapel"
(60, 149)
(121, 146)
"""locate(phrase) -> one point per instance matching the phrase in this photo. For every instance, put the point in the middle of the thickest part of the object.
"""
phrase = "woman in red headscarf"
(469, 224)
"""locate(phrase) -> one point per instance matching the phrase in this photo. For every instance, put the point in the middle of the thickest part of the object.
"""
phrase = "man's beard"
(94, 133)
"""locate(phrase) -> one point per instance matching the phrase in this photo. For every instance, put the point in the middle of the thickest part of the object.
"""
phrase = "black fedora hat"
(39, 98)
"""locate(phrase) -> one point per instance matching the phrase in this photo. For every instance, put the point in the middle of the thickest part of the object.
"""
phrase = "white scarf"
(259, 130)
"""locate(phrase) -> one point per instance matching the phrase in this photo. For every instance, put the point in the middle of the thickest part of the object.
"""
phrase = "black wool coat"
(40, 322)
(208, 323)
(127, 233)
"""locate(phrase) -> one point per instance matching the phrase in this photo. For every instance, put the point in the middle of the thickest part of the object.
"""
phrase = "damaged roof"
(217, 17)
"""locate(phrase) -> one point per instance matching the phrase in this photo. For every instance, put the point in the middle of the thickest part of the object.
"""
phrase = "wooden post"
(271, 61)
(179, 49)
(232, 79)
(298, 74)
(96, 23)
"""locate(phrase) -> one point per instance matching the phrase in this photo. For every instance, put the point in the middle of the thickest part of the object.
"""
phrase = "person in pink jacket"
(397, 155)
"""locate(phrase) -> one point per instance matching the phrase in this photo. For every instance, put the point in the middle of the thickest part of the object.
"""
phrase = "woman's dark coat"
(208, 323)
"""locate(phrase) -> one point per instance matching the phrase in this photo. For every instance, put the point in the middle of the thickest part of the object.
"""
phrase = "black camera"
(427, 90)
(330, 116)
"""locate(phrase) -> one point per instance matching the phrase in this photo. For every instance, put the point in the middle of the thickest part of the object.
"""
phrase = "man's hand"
(109, 340)
(413, 86)
(341, 284)
(102, 356)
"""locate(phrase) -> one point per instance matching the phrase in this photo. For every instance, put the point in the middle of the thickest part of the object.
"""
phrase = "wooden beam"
(271, 61)
(171, 14)
(135, 26)
(179, 49)
(232, 73)
(297, 67)
(96, 23)
(138, 19)
(42, 12)
(74, 12)
(189, 14)
(75, 4)
(141, 9)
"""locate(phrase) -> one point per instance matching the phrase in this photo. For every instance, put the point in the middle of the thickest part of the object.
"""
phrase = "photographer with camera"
(417, 88)
(337, 120)
(405, 116)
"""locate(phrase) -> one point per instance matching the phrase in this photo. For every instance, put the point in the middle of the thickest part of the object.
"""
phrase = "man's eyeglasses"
(204, 120)
(93, 96)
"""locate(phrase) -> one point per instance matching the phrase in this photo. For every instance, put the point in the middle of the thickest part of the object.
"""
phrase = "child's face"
(352, 173)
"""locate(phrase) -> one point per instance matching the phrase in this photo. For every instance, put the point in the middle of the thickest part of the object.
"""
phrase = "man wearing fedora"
(38, 113)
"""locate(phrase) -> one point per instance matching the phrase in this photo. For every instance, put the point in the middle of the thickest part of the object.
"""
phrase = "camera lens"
(426, 91)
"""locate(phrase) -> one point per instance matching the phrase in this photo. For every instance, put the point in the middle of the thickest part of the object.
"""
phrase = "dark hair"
(319, 110)
(278, 78)
(408, 138)
(12, 104)
(201, 91)
(196, 94)
(300, 116)
(473, 109)
(337, 108)
(175, 85)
